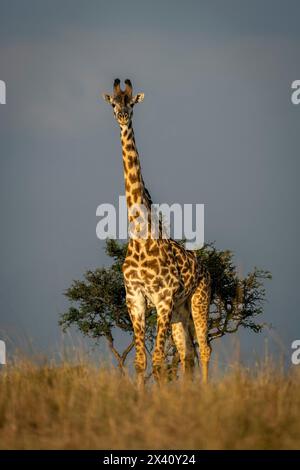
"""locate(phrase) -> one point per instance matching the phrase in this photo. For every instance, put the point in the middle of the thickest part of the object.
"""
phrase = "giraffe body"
(158, 272)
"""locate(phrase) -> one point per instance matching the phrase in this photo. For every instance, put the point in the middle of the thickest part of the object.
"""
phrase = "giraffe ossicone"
(158, 272)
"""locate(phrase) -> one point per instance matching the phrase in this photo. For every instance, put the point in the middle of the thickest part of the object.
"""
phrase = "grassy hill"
(84, 407)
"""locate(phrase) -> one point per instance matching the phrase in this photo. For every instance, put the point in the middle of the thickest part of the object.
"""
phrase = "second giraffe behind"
(158, 272)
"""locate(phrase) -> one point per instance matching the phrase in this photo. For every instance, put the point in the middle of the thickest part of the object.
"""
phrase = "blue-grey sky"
(217, 127)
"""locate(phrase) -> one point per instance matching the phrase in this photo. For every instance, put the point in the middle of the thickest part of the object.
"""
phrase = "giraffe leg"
(164, 313)
(182, 339)
(136, 305)
(200, 310)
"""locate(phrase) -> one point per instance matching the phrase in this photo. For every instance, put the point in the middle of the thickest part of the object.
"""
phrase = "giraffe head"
(123, 101)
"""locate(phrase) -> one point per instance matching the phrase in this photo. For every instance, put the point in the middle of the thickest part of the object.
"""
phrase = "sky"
(217, 127)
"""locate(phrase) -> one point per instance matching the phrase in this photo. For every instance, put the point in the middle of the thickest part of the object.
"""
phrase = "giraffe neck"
(136, 193)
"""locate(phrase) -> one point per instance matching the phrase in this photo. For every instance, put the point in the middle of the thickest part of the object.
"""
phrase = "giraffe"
(158, 272)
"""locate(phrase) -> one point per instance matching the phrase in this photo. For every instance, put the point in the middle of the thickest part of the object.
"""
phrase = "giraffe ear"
(107, 98)
(137, 98)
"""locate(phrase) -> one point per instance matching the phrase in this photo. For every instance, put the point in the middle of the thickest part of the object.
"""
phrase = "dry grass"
(82, 407)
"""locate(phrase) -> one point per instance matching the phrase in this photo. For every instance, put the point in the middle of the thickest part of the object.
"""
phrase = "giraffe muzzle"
(123, 116)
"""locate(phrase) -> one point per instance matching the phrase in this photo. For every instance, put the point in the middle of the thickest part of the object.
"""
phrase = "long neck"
(132, 167)
(136, 193)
